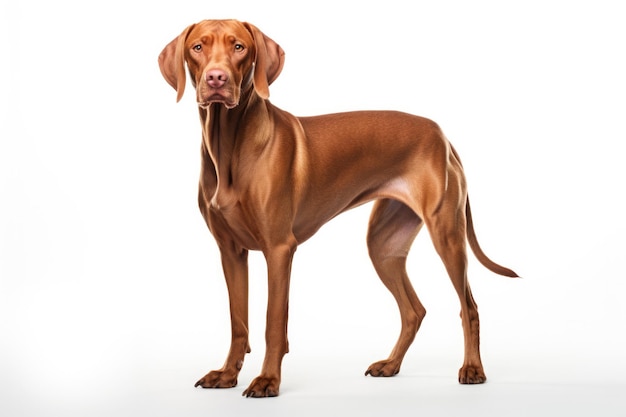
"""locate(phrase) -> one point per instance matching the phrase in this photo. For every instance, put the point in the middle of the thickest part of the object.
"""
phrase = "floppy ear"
(269, 61)
(172, 62)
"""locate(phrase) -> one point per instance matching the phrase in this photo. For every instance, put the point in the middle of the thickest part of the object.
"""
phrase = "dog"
(270, 180)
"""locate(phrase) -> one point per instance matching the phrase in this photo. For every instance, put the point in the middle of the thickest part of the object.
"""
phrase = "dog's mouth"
(217, 99)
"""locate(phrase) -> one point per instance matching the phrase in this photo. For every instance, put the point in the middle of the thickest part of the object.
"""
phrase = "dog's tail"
(478, 252)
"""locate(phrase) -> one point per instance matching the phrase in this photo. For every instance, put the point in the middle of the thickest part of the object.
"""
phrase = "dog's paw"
(384, 368)
(218, 379)
(469, 374)
(262, 387)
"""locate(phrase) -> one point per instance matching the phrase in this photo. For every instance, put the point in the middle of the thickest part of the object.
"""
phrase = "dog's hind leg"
(392, 229)
(447, 228)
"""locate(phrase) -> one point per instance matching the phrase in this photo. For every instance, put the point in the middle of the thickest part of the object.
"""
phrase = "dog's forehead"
(211, 30)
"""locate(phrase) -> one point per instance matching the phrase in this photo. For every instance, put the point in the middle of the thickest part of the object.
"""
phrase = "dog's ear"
(268, 63)
(172, 62)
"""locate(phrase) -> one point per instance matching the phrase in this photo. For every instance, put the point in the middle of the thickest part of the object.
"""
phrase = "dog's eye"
(239, 47)
(197, 48)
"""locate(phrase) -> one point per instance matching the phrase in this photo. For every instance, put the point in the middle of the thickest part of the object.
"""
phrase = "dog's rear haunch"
(270, 180)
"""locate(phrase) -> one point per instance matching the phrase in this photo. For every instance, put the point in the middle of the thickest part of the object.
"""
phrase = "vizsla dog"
(270, 180)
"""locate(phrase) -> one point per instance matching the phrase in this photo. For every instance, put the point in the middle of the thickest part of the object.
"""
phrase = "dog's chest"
(236, 223)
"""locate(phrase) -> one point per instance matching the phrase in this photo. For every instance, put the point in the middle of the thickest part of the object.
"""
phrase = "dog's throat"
(221, 153)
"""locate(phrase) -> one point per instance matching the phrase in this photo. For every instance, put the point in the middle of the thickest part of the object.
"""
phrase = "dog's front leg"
(279, 270)
(235, 265)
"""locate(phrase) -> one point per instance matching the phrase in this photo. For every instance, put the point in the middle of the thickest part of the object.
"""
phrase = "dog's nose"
(216, 78)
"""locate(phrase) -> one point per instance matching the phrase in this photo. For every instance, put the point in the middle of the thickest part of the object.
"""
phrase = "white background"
(112, 300)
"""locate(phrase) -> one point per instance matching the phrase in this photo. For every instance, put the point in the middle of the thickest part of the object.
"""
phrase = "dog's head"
(224, 57)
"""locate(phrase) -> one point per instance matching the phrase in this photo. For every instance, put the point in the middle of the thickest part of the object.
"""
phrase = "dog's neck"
(232, 135)
(226, 131)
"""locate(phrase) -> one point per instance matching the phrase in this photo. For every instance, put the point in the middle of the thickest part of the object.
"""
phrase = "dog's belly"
(317, 212)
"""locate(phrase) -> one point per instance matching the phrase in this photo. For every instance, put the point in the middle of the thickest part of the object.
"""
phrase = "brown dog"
(270, 180)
